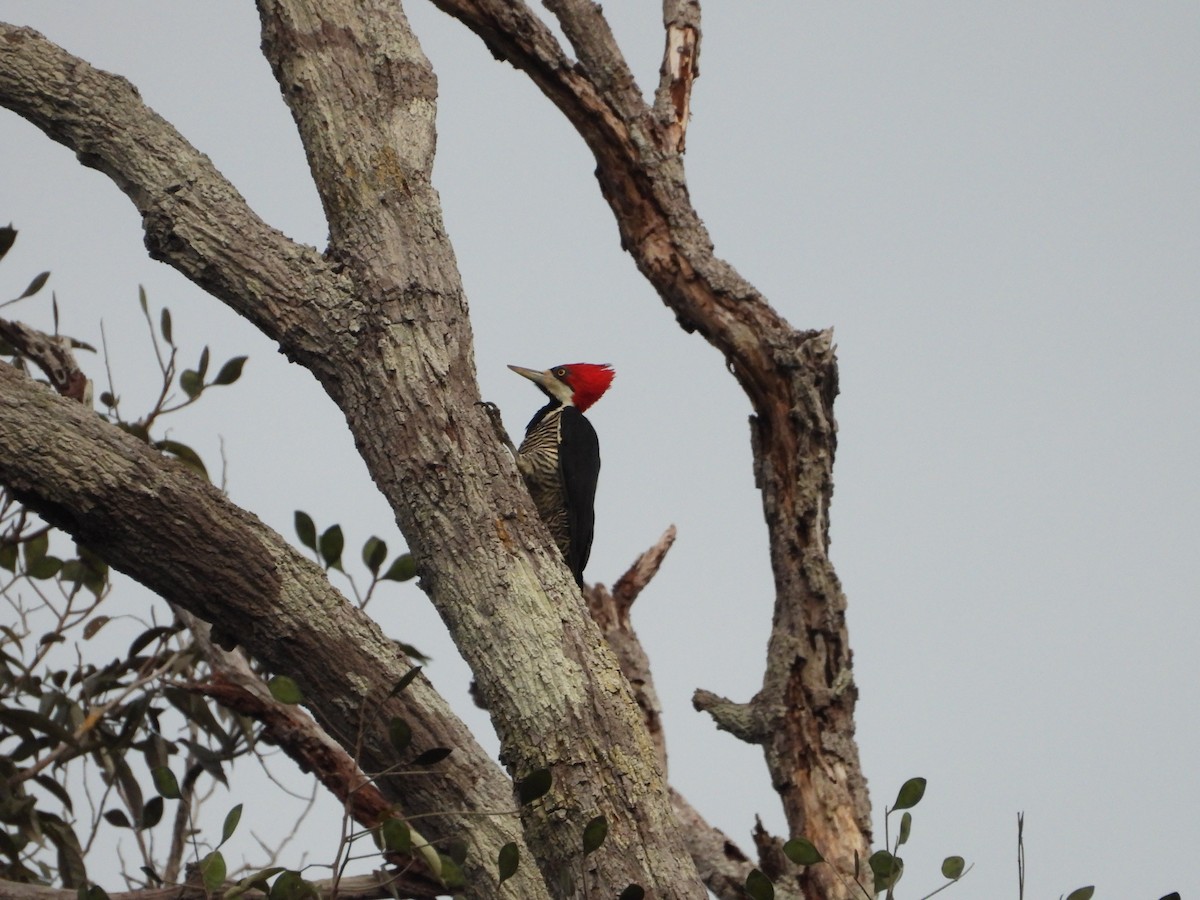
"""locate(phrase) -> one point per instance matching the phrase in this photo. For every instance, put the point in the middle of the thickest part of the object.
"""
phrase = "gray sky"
(997, 206)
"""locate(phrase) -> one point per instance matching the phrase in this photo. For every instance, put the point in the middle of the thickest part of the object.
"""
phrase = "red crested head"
(572, 384)
(588, 381)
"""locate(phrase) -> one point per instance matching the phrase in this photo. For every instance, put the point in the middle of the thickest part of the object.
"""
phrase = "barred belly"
(537, 460)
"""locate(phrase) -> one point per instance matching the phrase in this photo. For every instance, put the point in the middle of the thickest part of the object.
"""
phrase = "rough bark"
(722, 864)
(382, 323)
(157, 521)
(804, 714)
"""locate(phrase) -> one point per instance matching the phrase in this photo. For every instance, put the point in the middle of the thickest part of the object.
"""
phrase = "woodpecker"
(560, 456)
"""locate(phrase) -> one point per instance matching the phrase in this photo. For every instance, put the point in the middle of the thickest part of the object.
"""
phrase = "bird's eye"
(560, 372)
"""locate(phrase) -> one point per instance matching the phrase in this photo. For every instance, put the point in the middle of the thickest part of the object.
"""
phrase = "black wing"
(579, 462)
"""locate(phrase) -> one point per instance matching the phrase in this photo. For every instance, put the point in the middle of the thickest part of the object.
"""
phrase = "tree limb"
(384, 327)
(721, 864)
(806, 703)
(155, 520)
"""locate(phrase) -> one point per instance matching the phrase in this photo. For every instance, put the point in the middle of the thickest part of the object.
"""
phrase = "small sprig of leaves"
(192, 382)
(886, 866)
(328, 548)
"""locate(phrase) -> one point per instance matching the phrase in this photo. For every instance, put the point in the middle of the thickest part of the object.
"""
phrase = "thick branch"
(396, 356)
(194, 218)
(178, 535)
(722, 865)
(410, 395)
(680, 68)
(806, 705)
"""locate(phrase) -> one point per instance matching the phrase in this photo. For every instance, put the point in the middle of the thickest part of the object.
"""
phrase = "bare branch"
(739, 719)
(722, 865)
(680, 68)
(588, 31)
(645, 567)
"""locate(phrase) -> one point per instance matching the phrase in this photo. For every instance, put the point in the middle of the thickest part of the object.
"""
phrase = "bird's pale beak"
(542, 378)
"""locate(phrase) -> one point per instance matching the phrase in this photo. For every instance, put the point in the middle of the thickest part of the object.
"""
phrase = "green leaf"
(165, 783)
(212, 870)
(759, 886)
(184, 454)
(165, 324)
(202, 368)
(148, 637)
(35, 285)
(27, 721)
(396, 835)
(1083, 893)
(399, 734)
(452, 874)
(46, 567)
(405, 680)
(594, 834)
(71, 869)
(291, 886)
(142, 300)
(910, 794)
(306, 530)
(332, 543)
(92, 628)
(952, 867)
(57, 790)
(886, 868)
(8, 235)
(36, 547)
(403, 568)
(432, 757)
(285, 690)
(117, 818)
(8, 556)
(231, 823)
(534, 785)
(508, 860)
(802, 852)
(905, 829)
(191, 383)
(231, 371)
(255, 880)
(374, 552)
(411, 652)
(633, 892)
(151, 813)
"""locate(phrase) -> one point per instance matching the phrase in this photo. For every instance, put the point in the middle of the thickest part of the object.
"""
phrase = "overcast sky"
(996, 206)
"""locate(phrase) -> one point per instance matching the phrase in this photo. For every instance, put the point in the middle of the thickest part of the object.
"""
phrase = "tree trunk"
(381, 320)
